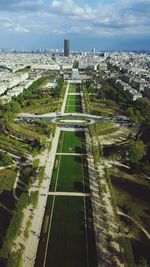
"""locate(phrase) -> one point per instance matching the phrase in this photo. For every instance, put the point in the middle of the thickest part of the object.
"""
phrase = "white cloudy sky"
(104, 24)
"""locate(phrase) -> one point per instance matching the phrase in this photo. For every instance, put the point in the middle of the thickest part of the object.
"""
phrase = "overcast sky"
(100, 24)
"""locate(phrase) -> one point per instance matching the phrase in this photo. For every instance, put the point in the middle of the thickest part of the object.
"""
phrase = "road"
(62, 115)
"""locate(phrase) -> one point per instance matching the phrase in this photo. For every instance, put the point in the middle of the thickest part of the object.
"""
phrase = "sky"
(100, 24)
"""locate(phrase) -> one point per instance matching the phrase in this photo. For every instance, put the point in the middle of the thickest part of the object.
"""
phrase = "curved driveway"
(59, 115)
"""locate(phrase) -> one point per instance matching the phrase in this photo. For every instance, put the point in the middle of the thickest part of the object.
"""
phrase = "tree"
(133, 115)
(37, 144)
(5, 159)
(143, 106)
(136, 152)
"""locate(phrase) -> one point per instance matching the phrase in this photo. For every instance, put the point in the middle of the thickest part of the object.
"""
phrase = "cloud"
(19, 28)
(127, 16)
(71, 17)
(20, 5)
(71, 9)
(8, 24)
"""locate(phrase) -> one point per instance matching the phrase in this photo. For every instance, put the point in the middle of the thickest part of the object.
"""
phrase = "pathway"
(15, 184)
(32, 242)
(65, 99)
(69, 194)
(71, 154)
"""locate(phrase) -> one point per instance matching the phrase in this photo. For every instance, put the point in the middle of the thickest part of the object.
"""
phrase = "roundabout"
(65, 118)
(73, 119)
(69, 120)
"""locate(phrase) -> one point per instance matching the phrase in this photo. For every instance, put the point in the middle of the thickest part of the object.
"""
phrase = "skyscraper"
(66, 48)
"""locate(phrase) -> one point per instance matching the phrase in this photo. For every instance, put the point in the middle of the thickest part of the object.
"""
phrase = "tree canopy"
(137, 151)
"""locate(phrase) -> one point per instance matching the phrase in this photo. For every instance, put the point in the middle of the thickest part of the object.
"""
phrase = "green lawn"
(72, 240)
(73, 108)
(74, 88)
(74, 100)
(7, 179)
(71, 142)
(105, 128)
(74, 104)
(68, 174)
(69, 243)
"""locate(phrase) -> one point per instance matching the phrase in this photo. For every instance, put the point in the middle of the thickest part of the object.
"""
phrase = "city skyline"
(105, 25)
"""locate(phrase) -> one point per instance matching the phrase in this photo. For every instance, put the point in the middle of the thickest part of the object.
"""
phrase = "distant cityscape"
(134, 68)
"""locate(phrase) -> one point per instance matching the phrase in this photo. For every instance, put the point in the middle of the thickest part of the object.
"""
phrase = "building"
(66, 48)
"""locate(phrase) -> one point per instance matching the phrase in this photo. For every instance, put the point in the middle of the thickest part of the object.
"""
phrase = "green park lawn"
(71, 142)
(67, 244)
(70, 171)
(70, 243)
(73, 104)
(73, 108)
(74, 88)
(68, 174)
(74, 100)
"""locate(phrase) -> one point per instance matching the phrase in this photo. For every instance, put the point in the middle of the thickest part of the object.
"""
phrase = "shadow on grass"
(140, 250)
(7, 199)
(78, 186)
(137, 190)
(78, 149)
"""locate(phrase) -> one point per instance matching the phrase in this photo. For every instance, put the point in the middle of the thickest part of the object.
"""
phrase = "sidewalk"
(32, 242)
(47, 159)
(65, 99)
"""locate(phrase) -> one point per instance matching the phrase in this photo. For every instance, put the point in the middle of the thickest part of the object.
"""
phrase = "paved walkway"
(65, 99)
(72, 129)
(5, 167)
(76, 94)
(15, 185)
(69, 194)
(31, 244)
(71, 154)
(55, 115)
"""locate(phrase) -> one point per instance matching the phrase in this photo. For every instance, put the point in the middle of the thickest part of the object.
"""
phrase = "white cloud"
(114, 19)
(66, 16)
(19, 28)
(70, 8)
(58, 31)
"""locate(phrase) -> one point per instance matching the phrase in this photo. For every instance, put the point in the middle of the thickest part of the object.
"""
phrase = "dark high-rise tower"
(66, 48)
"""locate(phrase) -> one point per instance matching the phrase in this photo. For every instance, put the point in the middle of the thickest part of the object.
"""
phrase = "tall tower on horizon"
(66, 47)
